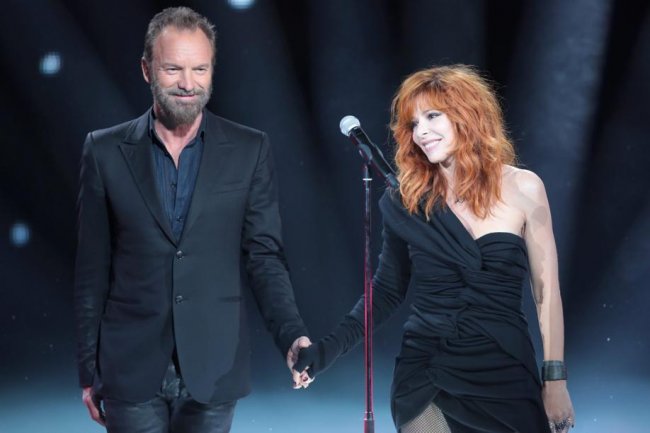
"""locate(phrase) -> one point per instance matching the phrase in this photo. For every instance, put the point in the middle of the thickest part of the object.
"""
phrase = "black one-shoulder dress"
(466, 345)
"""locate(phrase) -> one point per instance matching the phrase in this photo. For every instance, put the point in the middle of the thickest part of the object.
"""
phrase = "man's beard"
(174, 112)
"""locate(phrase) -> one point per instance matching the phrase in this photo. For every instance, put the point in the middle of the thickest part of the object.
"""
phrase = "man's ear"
(146, 70)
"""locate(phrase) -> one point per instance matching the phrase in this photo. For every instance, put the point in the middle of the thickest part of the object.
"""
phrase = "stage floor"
(40, 404)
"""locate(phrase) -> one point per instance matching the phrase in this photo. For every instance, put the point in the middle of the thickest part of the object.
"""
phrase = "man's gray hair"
(183, 18)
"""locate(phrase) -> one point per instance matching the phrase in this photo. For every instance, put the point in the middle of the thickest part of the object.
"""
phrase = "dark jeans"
(172, 410)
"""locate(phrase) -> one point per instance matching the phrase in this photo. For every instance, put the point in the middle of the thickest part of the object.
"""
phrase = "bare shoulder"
(524, 190)
(523, 182)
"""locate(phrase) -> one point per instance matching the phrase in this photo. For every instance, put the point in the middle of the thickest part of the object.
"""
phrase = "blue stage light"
(20, 234)
(241, 4)
(50, 63)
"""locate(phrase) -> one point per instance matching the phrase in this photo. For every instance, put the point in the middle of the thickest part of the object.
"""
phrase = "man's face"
(180, 74)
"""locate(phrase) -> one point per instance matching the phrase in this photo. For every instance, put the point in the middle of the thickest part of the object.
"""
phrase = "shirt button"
(180, 254)
(178, 299)
(179, 219)
(173, 186)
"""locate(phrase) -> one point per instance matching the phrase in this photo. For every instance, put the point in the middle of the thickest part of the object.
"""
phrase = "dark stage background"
(573, 76)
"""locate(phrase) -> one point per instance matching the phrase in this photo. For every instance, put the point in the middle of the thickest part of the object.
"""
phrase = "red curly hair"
(481, 144)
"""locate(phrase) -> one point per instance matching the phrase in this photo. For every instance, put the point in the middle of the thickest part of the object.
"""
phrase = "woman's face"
(433, 133)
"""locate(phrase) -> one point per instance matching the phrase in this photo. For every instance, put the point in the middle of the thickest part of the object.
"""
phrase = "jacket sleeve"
(92, 264)
(266, 264)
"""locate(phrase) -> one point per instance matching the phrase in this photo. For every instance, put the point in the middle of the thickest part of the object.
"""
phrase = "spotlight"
(241, 4)
(19, 234)
(50, 63)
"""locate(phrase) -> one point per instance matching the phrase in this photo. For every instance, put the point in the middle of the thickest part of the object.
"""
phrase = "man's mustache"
(180, 92)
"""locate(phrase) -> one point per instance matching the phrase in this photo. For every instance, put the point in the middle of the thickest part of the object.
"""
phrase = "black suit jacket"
(139, 292)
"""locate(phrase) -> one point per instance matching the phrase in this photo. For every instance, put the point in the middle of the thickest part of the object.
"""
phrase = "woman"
(464, 231)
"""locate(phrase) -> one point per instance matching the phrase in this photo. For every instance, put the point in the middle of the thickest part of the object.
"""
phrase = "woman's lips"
(430, 144)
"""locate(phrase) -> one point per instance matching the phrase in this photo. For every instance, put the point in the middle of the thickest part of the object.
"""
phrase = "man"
(170, 205)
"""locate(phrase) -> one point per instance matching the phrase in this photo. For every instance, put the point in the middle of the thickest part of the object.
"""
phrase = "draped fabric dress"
(466, 346)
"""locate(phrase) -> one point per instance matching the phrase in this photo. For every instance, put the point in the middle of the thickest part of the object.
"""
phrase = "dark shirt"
(176, 185)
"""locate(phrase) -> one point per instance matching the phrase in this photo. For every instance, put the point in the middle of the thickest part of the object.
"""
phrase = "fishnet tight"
(431, 420)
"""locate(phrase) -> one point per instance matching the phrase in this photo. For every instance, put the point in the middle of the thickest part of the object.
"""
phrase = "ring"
(567, 422)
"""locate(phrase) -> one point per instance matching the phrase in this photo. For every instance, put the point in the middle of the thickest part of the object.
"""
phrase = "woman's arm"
(543, 262)
(390, 284)
(542, 257)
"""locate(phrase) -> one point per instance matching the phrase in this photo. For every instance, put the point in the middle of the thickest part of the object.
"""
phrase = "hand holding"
(318, 357)
(300, 378)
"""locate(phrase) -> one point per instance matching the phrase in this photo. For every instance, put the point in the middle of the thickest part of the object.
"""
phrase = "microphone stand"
(369, 418)
(389, 176)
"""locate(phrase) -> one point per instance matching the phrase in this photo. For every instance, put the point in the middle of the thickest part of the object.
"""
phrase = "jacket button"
(178, 299)
(179, 254)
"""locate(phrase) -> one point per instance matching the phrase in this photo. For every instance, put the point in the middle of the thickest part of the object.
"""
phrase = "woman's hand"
(557, 404)
(300, 378)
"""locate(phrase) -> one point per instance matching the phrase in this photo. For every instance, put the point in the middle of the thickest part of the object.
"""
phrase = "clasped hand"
(301, 379)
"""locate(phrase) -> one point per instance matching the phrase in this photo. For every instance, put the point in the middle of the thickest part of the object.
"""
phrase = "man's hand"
(300, 379)
(93, 405)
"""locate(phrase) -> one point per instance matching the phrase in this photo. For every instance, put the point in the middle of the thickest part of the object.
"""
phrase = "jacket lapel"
(216, 149)
(136, 148)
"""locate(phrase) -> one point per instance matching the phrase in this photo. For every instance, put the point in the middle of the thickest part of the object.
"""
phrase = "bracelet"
(553, 370)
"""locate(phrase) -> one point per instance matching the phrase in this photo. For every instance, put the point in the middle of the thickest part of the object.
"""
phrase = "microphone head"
(348, 123)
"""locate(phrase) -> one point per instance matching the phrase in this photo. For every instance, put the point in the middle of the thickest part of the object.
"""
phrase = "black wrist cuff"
(553, 370)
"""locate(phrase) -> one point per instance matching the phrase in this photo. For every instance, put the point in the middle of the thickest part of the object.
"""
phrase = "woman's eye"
(433, 115)
(414, 124)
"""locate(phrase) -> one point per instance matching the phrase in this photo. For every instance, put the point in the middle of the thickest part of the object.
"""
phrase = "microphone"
(351, 127)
